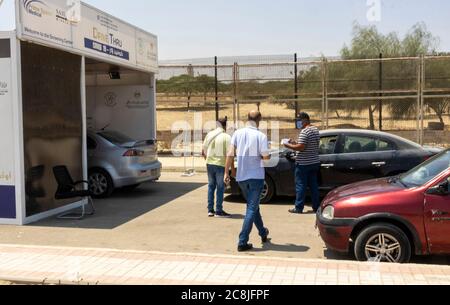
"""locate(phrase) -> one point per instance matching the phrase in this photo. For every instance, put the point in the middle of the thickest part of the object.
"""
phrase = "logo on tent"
(32, 8)
(110, 99)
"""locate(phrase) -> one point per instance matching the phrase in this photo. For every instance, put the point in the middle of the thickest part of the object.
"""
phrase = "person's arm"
(296, 146)
(265, 152)
(230, 165)
(205, 148)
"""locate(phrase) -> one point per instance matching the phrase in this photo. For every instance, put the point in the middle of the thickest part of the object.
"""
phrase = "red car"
(390, 219)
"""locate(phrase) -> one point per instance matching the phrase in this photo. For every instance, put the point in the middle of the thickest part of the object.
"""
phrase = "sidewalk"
(177, 164)
(32, 264)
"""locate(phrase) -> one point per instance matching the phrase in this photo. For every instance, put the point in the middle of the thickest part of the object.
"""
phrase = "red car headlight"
(328, 212)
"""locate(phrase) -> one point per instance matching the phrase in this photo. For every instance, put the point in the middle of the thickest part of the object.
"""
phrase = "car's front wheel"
(383, 242)
(268, 191)
(100, 183)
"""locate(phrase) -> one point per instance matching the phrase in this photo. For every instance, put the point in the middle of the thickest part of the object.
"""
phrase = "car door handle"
(379, 164)
(327, 165)
(439, 213)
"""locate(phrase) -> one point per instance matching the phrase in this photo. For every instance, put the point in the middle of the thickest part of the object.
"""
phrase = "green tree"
(368, 43)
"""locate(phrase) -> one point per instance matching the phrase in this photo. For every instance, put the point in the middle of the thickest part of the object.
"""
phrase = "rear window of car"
(115, 137)
(361, 144)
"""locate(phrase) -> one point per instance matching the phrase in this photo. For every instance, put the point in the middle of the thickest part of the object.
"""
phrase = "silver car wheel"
(98, 184)
(383, 248)
(265, 191)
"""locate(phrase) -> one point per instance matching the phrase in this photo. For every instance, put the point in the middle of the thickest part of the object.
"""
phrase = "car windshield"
(115, 137)
(427, 171)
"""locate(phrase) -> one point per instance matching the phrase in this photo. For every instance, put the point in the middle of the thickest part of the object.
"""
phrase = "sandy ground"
(168, 113)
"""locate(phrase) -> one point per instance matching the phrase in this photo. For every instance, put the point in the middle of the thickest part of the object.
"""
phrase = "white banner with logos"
(78, 27)
(128, 109)
(6, 124)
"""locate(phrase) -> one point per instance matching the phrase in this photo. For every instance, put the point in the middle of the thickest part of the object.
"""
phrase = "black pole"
(216, 88)
(380, 81)
(297, 110)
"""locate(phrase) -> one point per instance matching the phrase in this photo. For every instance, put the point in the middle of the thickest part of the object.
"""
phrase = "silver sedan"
(117, 161)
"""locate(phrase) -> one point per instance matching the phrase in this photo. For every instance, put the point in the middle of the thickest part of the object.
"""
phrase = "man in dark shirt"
(307, 164)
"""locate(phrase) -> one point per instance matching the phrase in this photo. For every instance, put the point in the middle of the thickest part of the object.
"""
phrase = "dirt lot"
(170, 216)
(170, 112)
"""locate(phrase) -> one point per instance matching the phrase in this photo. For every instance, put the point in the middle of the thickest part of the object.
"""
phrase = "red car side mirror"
(440, 190)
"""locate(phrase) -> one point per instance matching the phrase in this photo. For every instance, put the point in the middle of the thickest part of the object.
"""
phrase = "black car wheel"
(268, 191)
(100, 183)
(383, 242)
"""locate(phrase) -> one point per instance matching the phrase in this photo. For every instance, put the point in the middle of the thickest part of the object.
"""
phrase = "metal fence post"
(234, 94)
(419, 97)
(216, 88)
(297, 110)
(380, 103)
(325, 119)
(422, 101)
(238, 111)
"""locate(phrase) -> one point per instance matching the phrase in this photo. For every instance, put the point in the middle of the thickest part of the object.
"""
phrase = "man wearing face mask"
(307, 163)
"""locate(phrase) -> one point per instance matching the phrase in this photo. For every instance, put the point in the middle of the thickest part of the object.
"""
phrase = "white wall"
(7, 16)
(127, 108)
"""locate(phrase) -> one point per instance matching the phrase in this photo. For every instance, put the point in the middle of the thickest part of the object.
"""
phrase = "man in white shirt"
(252, 149)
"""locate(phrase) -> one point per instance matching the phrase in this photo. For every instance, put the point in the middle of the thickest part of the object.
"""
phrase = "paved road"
(170, 216)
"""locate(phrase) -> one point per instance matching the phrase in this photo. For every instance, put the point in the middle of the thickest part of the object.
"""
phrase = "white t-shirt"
(251, 145)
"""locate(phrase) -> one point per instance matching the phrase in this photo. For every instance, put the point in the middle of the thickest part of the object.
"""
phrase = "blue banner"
(7, 202)
(106, 49)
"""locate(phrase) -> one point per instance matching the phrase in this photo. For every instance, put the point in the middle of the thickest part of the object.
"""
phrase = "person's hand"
(233, 173)
(227, 179)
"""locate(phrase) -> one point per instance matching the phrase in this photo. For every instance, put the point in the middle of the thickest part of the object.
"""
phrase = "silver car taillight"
(134, 153)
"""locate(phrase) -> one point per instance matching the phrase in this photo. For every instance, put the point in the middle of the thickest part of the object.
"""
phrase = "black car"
(347, 156)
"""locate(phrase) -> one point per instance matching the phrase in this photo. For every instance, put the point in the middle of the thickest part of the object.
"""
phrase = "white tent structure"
(65, 69)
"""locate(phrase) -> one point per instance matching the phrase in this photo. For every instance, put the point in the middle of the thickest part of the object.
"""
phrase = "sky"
(207, 28)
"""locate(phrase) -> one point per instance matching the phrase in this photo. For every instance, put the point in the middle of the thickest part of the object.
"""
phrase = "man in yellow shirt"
(215, 149)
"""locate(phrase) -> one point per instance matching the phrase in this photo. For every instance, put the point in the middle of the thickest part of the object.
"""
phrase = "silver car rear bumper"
(138, 173)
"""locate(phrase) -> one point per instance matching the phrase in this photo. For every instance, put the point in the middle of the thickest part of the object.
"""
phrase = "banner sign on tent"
(94, 33)
(7, 189)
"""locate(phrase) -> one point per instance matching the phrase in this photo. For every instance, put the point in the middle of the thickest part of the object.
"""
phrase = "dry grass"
(168, 113)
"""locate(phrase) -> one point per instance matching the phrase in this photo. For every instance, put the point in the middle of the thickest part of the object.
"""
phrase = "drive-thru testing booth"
(65, 69)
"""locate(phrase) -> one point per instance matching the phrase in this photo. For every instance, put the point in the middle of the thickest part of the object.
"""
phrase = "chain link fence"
(405, 96)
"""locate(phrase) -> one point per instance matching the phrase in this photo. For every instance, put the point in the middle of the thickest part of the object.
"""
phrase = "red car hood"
(366, 188)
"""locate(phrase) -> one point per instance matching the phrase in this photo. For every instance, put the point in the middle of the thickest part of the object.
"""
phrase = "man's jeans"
(252, 189)
(307, 176)
(216, 176)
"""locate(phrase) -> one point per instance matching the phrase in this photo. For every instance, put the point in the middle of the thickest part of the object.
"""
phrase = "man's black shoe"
(295, 211)
(265, 239)
(244, 248)
(211, 213)
(223, 215)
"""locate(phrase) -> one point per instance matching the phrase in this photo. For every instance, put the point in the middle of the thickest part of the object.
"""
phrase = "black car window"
(115, 137)
(328, 145)
(91, 144)
(361, 144)
(385, 145)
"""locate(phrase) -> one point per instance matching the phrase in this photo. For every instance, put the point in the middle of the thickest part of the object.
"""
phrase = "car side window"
(385, 145)
(91, 144)
(328, 145)
(358, 144)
